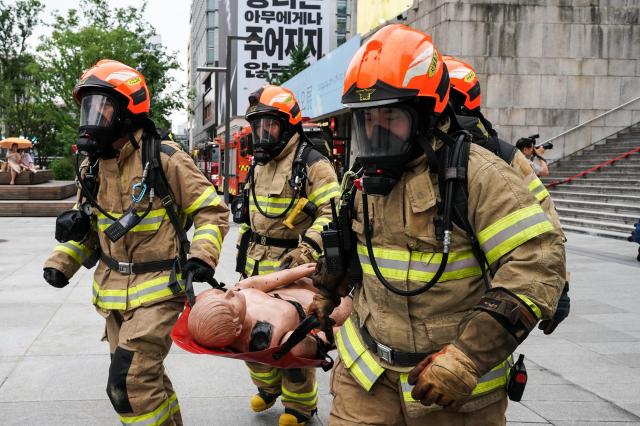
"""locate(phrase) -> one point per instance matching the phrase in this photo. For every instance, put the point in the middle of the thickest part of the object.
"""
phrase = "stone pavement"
(53, 366)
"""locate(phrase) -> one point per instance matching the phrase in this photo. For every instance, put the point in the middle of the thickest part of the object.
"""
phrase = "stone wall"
(545, 66)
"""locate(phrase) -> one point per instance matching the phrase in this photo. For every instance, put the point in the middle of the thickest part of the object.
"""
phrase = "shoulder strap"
(152, 153)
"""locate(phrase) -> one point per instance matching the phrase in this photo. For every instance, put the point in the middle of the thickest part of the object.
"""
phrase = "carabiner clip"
(142, 187)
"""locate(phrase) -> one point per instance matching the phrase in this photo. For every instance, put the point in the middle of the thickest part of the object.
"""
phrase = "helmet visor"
(266, 131)
(97, 110)
(383, 131)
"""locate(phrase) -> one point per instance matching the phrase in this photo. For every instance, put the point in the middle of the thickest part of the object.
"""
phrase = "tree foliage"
(299, 56)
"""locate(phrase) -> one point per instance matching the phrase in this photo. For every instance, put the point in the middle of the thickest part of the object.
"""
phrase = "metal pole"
(227, 122)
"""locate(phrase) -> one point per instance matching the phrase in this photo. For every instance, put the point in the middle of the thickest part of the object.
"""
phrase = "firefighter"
(465, 98)
(136, 224)
(431, 334)
(288, 194)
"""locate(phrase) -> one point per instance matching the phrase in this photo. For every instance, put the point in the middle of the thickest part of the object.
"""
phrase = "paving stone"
(518, 412)
(561, 392)
(579, 411)
(58, 413)
(21, 324)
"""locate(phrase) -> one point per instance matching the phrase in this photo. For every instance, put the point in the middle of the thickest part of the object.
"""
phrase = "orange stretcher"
(279, 356)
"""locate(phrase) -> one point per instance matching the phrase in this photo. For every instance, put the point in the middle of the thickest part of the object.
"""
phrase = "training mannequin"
(246, 318)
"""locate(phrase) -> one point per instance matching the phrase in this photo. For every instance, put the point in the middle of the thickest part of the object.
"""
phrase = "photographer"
(535, 154)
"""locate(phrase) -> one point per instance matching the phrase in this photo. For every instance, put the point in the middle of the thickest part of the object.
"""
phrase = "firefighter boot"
(292, 418)
(262, 401)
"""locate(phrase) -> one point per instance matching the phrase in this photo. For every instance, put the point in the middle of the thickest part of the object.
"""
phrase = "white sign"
(278, 27)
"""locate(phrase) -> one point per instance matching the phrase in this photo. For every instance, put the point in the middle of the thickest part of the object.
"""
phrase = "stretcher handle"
(191, 295)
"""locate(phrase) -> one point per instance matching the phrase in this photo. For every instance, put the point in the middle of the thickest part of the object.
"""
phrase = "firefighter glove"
(445, 378)
(202, 272)
(322, 307)
(562, 312)
(296, 257)
(55, 277)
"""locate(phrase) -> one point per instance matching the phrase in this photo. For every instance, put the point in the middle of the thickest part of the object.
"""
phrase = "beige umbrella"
(22, 143)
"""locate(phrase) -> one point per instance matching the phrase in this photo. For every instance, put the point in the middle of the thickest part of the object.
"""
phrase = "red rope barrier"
(593, 169)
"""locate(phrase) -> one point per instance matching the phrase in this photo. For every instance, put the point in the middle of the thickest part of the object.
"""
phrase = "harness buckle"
(263, 240)
(384, 352)
(125, 268)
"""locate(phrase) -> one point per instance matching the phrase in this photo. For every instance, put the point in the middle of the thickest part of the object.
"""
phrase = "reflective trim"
(269, 377)
(319, 223)
(309, 399)
(151, 222)
(530, 304)
(264, 266)
(78, 252)
(512, 231)
(404, 265)
(360, 363)
(269, 205)
(325, 193)
(210, 233)
(249, 266)
(494, 379)
(244, 228)
(538, 190)
(157, 417)
(134, 296)
(209, 198)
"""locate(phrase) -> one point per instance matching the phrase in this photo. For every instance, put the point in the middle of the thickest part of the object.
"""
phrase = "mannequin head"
(216, 319)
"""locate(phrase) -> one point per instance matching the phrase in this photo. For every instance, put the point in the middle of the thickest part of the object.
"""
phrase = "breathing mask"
(384, 144)
(270, 135)
(100, 125)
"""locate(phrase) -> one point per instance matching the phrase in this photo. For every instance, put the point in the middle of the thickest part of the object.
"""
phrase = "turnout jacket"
(274, 194)
(524, 249)
(154, 238)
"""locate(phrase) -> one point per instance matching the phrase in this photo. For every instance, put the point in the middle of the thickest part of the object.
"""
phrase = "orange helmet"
(113, 76)
(398, 63)
(271, 99)
(464, 84)
(274, 116)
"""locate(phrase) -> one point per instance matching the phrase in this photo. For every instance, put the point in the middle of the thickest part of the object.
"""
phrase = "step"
(610, 173)
(597, 224)
(52, 190)
(598, 189)
(597, 181)
(629, 165)
(595, 232)
(631, 209)
(41, 208)
(567, 193)
(626, 218)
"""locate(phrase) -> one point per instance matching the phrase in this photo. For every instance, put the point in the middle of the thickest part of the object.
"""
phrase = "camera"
(547, 145)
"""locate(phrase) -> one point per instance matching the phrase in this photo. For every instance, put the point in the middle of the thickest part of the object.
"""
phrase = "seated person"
(13, 162)
(26, 161)
(246, 318)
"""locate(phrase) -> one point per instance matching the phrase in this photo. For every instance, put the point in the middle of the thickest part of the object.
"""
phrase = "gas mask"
(384, 144)
(270, 135)
(100, 125)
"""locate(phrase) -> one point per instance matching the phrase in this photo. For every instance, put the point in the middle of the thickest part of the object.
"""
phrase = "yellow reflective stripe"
(208, 198)
(494, 379)
(530, 304)
(513, 230)
(210, 233)
(270, 205)
(244, 228)
(418, 266)
(157, 417)
(151, 222)
(360, 363)
(307, 398)
(148, 291)
(325, 193)
(268, 266)
(249, 266)
(406, 388)
(537, 188)
(270, 377)
(319, 223)
(78, 252)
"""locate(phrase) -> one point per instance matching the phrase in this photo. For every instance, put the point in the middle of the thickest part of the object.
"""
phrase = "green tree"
(299, 56)
(82, 37)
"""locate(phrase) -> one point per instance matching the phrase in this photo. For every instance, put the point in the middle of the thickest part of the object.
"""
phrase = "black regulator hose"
(87, 193)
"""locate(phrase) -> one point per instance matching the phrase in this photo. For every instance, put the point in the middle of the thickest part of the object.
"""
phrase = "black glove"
(562, 312)
(202, 272)
(55, 277)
